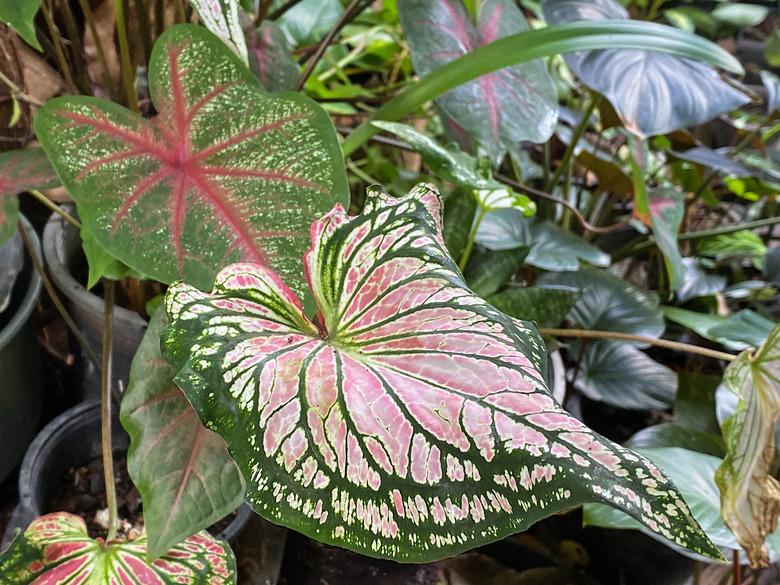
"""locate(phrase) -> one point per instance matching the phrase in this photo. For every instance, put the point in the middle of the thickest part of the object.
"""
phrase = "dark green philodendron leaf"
(271, 59)
(224, 172)
(20, 16)
(20, 170)
(716, 159)
(653, 92)
(182, 470)
(410, 420)
(739, 331)
(222, 18)
(621, 375)
(697, 283)
(610, 303)
(499, 109)
(462, 169)
(545, 306)
(694, 475)
(676, 435)
(750, 494)
(57, 549)
(552, 247)
(667, 210)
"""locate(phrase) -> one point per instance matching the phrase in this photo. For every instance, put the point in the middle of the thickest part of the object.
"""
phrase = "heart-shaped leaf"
(654, 92)
(500, 109)
(223, 173)
(410, 420)
(221, 17)
(183, 471)
(20, 16)
(57, 549)
(610, 303)
(271, 59)
(552, 247)
(20, 170)
(750, 494)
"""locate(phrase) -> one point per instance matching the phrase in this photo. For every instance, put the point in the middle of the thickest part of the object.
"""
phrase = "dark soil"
(81, 492)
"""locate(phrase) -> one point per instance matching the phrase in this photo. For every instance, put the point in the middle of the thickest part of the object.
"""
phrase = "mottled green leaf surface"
(545, 306)
(182, 470)
(56, 549)
(223, 173)
(410, 419)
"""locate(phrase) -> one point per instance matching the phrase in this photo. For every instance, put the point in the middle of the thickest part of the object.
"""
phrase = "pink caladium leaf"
(223, 173)
(20, 170)
(57, 549)
(410, 419)
(500, 109)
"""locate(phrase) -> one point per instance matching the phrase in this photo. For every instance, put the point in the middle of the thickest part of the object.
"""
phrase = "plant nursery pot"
(62, 250)
(70, 441)
(21, 390)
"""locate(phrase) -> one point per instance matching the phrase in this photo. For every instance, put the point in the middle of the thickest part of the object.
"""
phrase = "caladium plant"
(223, 173)
(410, 419)
(57, 549)
(20, 170)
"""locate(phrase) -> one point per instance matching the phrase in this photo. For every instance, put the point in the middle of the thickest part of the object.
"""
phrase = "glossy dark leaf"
(459, 210)
(697, 283)
(411, 420)
(552, 247)
(499, 109)
(225, 172)
(738, 331)
(489, 270)
(271, 59)
(654, 93)
(610, 303)
(623, 376)
(20, 16)
(716, 159)
(183, 471)
(677, 435)
(20, 170)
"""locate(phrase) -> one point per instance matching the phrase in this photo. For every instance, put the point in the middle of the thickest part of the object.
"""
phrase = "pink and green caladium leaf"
(20, 170)
(223, 173)
(500, 109)
(56, 549)
(183, 471)
(410, 420)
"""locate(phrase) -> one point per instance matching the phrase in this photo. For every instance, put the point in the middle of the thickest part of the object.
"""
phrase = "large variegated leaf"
(20, 170)
(410, 420)
(222, 18)
(183, 471)
(653, 92)
(500, 109)
(224, 173)
(57, 549)
(750, 494)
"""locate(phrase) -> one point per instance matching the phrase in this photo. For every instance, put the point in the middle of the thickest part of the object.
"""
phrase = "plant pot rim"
(54, 433)
(30, 294)
(69, 286)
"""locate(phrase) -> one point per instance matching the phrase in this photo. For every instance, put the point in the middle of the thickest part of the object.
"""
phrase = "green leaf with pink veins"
(410, 419)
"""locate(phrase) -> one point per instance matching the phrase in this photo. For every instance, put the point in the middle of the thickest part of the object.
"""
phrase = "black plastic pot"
(62, 250)
(71, 440)
(21, 390)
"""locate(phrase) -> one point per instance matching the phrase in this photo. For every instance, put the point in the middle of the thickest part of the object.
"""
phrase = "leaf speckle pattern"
(410, 419)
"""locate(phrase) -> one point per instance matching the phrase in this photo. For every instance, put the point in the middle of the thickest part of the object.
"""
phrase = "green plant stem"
(614, 335)
(537, 44)
(56, 42)
(467, 249)
(728, 229)
(55, 208)
(354, 8)
(124, 56)
(109, 288)
(18, 93)
(579, 131)
(55, 299)
(89, 17)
